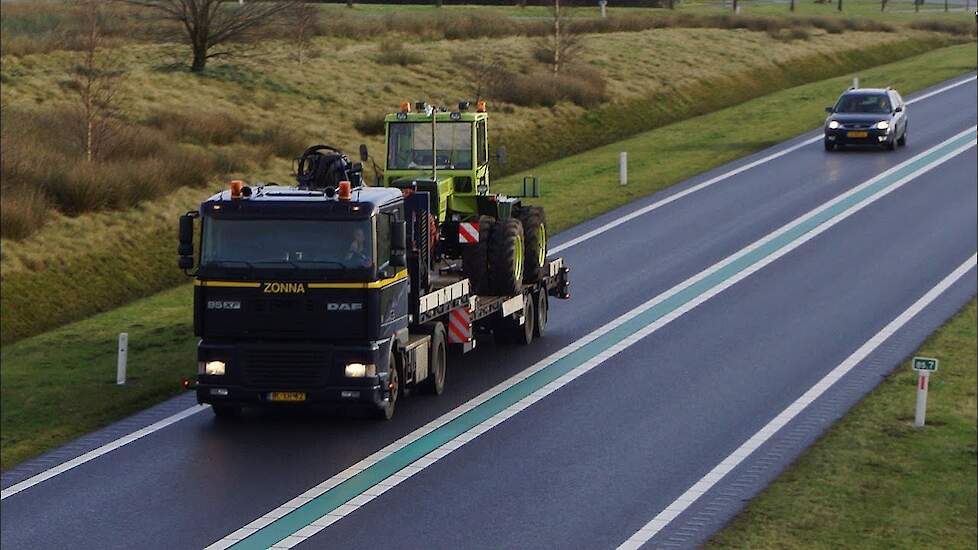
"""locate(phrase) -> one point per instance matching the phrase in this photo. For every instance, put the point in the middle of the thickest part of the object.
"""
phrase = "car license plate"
(857, 134)
(287, 396)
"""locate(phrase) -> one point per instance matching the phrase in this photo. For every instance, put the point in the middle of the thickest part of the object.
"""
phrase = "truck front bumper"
(290, 373)
(216, 393)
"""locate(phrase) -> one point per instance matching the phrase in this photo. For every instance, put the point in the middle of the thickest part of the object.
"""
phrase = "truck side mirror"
(363, 152)
(501, 156)
(398, 244)
(186, 237)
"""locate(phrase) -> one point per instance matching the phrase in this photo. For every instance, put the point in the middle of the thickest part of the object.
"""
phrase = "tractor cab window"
(480, 144)
(410, 145)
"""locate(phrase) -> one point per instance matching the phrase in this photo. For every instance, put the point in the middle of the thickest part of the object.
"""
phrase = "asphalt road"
(589, 464)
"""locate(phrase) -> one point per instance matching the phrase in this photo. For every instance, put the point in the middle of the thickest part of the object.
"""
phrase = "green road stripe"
(342, 493)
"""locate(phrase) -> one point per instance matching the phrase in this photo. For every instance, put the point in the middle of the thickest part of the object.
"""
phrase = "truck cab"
(299, 296)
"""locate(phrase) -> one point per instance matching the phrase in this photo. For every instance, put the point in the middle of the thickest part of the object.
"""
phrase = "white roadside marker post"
(855, 82)
(924, 366)
(623, 168)
(604, 7)
(120, 370)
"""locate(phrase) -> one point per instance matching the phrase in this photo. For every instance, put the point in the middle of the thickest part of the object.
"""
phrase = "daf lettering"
(344, 306)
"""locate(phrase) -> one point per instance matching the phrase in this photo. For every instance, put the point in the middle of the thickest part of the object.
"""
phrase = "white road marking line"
(717, 179)
(628, 341)
(47, 474)
(705, 483)
(95, 453)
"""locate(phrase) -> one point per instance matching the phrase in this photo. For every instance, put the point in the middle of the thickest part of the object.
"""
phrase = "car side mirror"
(501, 156)
(898, 110)
(363, 152)
(186, 238)
(829, 110)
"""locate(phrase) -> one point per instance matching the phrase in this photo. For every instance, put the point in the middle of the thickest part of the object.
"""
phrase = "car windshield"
(410, 145)
(299, 244)
(876, 104)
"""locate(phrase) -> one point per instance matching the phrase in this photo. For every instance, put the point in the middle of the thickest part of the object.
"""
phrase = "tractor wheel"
(534, 242)
(505, 254)
(475, 261)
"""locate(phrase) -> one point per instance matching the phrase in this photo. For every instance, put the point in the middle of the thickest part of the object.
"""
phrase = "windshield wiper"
(341, 265)
(289, 262)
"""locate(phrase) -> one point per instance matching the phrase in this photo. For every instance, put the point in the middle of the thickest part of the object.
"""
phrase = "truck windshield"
(316, 244)
(410, 145)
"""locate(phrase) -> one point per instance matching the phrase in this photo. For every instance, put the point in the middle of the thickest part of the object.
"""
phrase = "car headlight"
(211, 368)
(360, 370)
(833, 124)
(882, 125)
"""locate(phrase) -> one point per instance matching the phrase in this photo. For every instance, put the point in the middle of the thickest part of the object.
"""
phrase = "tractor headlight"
(360, 370)
(883, 125)
(211, 368)
(833, 124)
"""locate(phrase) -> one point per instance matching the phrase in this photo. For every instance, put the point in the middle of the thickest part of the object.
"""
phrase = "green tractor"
(444, 155)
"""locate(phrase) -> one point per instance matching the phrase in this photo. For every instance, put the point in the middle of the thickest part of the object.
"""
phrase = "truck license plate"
(287, 396)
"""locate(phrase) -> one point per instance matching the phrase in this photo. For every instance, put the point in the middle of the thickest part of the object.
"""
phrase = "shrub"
(279, 141)
(23, 210)
(582, 85)
(370, 125)
(787, 35)
(393, 52)
(960, 28)
(200, 127)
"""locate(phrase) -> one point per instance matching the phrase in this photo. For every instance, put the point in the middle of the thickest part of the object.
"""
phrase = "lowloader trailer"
(334, 292)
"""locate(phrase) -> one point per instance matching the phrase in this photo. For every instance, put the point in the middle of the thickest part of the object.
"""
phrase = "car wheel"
(902, 142)
(890, 145)
(829, 146)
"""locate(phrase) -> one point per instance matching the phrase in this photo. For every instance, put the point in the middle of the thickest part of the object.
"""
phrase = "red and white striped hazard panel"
(459, 326)
(468, 232)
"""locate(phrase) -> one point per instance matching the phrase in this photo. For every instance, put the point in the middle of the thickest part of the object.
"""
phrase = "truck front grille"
(285, 369)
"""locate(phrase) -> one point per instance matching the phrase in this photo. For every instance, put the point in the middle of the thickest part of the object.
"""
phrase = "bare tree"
(563, 46)
(483, 71)
(208, 24)
(301, 21)
(95, 81)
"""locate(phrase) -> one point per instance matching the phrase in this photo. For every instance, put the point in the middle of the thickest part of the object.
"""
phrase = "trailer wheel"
(534, 242)
(506, 260)
(438, 364)
(508, 330)
(543, 313)
(386, 412)
(226, 412)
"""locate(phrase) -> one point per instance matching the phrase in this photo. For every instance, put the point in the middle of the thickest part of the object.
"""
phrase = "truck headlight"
(211, 368)
(882, 125)
(360, 370)
(833, 124)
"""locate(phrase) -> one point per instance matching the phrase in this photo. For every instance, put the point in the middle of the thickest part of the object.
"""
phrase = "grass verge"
(875, 479)
(80, 357)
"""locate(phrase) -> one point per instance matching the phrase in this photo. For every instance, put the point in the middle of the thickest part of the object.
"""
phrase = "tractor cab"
(445, 154)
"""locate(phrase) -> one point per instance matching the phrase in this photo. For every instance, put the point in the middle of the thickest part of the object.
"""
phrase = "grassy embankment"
(75, 267)
(58, 385)
(874, 481)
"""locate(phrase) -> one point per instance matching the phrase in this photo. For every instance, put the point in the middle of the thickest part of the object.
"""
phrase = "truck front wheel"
(386, 410)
